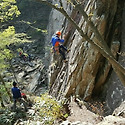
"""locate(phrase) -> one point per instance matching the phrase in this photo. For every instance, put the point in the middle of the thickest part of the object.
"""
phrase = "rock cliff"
(87, 72)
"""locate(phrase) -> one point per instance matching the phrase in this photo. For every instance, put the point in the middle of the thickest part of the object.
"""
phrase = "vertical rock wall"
(86, 70)
(115, 91)
(56, 23)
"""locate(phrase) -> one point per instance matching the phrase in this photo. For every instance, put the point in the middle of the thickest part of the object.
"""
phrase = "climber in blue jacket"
(17, 96)
(57, 44)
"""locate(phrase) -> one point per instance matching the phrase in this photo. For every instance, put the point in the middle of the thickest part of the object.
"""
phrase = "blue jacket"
(16, 92)
(56, 39)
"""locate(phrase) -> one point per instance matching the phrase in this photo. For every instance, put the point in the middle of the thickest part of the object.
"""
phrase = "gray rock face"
(116, 90)
(31, 75)
(87, 71)
(120, 111)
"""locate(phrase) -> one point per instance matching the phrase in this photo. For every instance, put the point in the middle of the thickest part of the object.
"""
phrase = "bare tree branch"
(102, 48)
(60, 3)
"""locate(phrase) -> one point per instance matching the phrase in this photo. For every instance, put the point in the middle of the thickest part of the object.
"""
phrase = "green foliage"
(3, 93)
(19, 50)
(49, 109)
(8, 53)
(45, 31)
(8, 10)
(2, 88)
(8, 117)
(66, 115)
(46, 109)
(6, 38)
